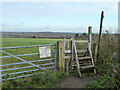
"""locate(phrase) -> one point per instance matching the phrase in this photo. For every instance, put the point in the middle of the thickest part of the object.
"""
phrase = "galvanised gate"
(29, 67)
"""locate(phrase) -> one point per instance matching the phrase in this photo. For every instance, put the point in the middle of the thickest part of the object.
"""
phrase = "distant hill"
(38, 34)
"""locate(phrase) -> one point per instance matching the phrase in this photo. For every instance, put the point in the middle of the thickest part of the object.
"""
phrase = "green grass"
(46, 80)
(12, 42)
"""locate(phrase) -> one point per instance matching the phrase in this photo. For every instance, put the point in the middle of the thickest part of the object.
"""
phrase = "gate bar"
(27, 46)
(55, 58)
(22, 59)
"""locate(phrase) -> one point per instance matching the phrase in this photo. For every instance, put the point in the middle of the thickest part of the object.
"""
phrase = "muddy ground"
(74, 82)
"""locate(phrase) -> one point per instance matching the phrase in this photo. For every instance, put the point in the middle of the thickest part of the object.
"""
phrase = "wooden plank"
(67, 51)
(67, 57)
(81, 41)
(84, 61)
(87, 67)
(82, 58)
(81, 51)
(78, 51)
(74, 65)
(84, 64)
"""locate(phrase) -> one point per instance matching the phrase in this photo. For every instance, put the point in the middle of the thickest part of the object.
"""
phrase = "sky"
(58, 16)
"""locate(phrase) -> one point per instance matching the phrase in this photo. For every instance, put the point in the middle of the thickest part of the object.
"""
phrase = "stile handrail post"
(71, 54)
(89, 39)
(89, 43)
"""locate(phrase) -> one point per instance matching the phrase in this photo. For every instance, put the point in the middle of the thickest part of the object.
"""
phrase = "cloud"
(26, 16)
(48, 9)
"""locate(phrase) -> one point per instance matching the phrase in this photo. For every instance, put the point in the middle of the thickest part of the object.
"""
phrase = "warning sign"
(45, 51)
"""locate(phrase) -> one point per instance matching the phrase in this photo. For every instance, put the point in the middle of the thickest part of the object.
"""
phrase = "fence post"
(61, 55)
(100, 33)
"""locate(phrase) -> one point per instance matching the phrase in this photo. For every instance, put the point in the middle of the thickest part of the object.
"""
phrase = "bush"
(108, 66)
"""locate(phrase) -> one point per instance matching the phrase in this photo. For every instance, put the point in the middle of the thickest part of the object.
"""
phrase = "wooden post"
(71, 53)
(67, 68)
(89, 44)
(94, 49)
(64, 43)
(89, 39)
(100, 33)
(72, 48)
(68, 45)
(61, 55)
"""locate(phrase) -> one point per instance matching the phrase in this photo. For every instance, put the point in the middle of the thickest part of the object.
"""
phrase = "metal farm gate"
(25, 66)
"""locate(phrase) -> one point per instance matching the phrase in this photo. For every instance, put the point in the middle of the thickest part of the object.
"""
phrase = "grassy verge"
(47, 80)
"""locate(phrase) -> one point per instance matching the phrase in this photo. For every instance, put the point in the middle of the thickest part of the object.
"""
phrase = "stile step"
(83, 58)
(73, 65)
(87, 67)
(82, 51)
(67, 57)
(81, 41)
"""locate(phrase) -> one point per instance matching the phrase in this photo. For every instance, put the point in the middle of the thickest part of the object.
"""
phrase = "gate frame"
(24, 61)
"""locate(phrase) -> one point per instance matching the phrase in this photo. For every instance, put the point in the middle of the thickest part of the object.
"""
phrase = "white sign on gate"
(45, 51)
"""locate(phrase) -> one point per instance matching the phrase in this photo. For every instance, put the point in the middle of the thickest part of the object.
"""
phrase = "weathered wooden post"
(64, 43)
(72, 48)
(89, 44)
(72, 53)
(100, 33)
(94, 49)
(61, 55)
(89, 39)
(68, 45)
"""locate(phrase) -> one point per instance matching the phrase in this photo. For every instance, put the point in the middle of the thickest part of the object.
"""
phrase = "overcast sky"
(58, 16)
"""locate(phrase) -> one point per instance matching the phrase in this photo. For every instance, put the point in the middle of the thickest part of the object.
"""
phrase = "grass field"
(11, 42)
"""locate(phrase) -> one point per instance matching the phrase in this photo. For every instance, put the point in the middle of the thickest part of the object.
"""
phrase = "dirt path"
(74, 82)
